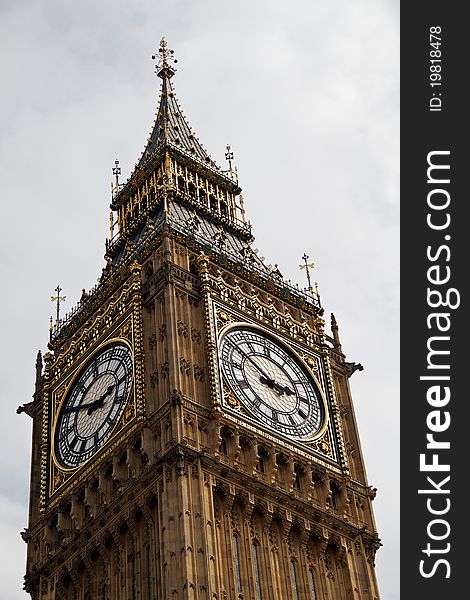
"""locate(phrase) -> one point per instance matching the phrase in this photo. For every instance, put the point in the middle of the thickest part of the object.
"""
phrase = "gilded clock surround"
(120, 320)
(190, 493)
(60, 396)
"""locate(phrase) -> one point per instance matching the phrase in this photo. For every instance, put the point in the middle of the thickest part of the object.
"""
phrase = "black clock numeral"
(243, 384)
(266, 410)
(122, 379)
(302, 413)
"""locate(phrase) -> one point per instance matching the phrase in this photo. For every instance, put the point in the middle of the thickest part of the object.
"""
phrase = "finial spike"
(116, 173)
(58, 298)
(335, 332)
(307, 266)
(164, 57)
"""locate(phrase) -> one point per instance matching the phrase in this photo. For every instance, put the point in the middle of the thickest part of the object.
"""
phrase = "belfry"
(194, 433)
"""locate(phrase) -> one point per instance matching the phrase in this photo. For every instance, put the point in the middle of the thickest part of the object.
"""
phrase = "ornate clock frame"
(120, 318)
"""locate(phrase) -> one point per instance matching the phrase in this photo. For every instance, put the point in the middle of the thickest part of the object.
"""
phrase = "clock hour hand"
(269, 382)
(280, 389)
(283, 389)
(100, 401)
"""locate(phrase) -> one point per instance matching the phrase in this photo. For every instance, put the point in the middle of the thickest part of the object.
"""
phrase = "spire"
(171, 128)
(335, 332)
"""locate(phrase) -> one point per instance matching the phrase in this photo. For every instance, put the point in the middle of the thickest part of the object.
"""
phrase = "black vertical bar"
(434, 299)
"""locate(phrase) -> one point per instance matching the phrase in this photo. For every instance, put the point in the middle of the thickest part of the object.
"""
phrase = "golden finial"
(229, 157)
(116, 173)
(164, 57)
(58, 299)
(242, 208)
(307, 266)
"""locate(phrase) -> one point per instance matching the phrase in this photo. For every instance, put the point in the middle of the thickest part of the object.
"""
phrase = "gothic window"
(283, 469)
(223, 448)
(133, 579)
(192, 190)
(236, 558)
(256, 570)
(149, 571)
(202, 197)
(261, 466)
(335, 494)
(312, 585)
(223, 209)
(213, 203)
(181, 184)
(297, 483)
(244, 457)
(293, 573)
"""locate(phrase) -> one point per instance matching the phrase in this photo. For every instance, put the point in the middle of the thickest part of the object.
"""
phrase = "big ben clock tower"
(193, 428)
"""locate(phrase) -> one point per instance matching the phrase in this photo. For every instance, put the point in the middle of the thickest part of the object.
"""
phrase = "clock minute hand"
(268, 380)
(91, 405)
(70, 409)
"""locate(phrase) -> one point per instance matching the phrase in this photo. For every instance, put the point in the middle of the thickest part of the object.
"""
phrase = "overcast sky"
(305, 92)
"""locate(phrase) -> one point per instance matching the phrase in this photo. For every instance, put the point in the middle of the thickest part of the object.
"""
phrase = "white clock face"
(271, 382)
(94, 405)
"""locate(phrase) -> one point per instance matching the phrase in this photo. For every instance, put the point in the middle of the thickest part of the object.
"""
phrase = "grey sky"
(305, 92)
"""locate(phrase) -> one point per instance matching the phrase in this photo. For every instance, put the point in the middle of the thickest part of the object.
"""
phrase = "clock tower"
(194, 434)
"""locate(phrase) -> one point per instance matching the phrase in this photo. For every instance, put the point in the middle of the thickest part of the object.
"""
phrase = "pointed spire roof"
(171, 127)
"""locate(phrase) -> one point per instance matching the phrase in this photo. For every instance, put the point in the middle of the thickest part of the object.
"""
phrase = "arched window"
(293, 574)
(133, 579)
(335, 494)
(223, 448)
(297, 483)
(181, 184)
(214, 205)
(236, 558)
(149, 571)
(256, 570)
(312, 585)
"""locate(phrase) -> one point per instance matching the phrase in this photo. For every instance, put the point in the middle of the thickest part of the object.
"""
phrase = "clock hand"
(70, 409)
(280, 389)
(283, 389)
(269, 382)
(91, 405)
(100, 401)
(268, 379)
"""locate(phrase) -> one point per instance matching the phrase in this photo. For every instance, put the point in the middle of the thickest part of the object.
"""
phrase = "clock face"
(94, 404)
(272, 383)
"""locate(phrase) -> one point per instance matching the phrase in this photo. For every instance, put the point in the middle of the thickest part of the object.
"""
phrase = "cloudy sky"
(305, 92)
